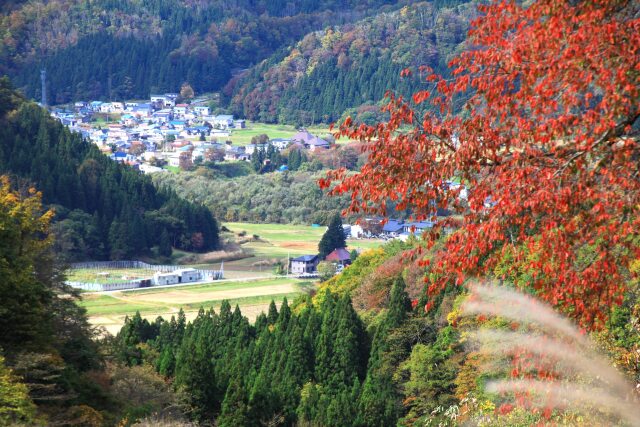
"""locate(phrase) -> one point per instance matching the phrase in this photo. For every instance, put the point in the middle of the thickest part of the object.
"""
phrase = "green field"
(280, 240)
(243, 136)
(114, 275)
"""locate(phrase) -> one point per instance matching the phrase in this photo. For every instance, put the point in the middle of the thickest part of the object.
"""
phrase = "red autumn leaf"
(550, 169)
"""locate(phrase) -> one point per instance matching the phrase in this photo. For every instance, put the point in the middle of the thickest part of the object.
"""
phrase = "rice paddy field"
(250, 283)
(109, 310)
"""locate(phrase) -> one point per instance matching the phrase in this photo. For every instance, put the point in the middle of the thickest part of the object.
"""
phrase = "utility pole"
(288, 254)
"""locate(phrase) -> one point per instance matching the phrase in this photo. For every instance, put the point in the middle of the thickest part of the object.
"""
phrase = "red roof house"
(340, 256)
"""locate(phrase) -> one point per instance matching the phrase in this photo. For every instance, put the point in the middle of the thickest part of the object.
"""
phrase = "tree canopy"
(333, 238)
(103, 209)
(546, 150)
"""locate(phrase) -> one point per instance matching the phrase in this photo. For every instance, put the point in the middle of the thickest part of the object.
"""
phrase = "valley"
(312, 213)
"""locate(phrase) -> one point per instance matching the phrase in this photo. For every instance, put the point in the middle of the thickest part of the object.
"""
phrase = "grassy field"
(114, 275)
(280, 240)
(243, 136)
(253, 297)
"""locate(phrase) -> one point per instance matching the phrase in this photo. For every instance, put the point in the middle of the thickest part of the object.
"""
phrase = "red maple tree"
(546, 147)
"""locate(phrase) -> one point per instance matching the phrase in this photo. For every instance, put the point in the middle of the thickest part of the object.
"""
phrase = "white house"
(305, 264)
(117, 107)
(105, 107)
(355, 231)
(148, 169)
(180, 109)
(202, 110)
(165, 100)
(224, 121)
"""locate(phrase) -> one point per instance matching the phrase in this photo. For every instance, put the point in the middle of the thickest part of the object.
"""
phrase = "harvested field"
(110, 310)
(184, 297)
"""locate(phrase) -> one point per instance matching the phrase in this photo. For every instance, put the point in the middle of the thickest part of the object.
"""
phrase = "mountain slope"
(338, 68)
(104, 209)
(113, 49)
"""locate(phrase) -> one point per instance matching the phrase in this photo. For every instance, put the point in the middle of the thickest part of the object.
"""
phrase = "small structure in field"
(188, 275)
(170, 278)
(183, 275)
(137, 274)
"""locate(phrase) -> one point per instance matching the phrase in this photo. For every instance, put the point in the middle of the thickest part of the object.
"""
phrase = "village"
(162, 132)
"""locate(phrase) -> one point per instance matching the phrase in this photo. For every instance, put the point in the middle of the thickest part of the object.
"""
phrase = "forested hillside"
(342, 67)
(103, 209)
(290, 198)
(50, 367)
(113, 49)
(313, 363)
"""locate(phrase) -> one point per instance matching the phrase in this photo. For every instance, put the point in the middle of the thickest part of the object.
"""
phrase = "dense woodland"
(320, 58)
(103, 210)
(313, 363)
(285, 198)
(114, 50)
(339, 68)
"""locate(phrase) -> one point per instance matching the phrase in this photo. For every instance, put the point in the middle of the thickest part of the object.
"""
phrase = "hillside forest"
(103, 210)
(287, 62)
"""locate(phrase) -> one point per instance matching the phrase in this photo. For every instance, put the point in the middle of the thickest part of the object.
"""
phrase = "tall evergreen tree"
(333, 238)
(378, 404)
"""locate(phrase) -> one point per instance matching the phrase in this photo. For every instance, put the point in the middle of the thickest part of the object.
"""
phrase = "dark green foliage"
(378, 404)
(352, 66)
(104, 210)
(44, 335)
(238, 374)
(129, 49)
(266, 159)
(333, 238)
(285, 198)
(295, 159)
(164, 248)
(136, 330)
(316, 365)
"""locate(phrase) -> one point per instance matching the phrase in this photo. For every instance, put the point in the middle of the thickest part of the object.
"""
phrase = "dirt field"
(109, 310)
(112, 324)
(185, 297)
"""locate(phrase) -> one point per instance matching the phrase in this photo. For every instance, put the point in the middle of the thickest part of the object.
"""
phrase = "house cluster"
(377, 228)
(306, 265)
(162, 130)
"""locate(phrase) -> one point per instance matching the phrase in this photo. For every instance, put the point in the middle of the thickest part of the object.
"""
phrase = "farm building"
(339, 256)
(185, 275)
(188, 275)
(160, 279)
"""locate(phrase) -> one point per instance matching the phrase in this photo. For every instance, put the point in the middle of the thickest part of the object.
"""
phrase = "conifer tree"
(333, 238)
(164, 248)
(378, 403)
